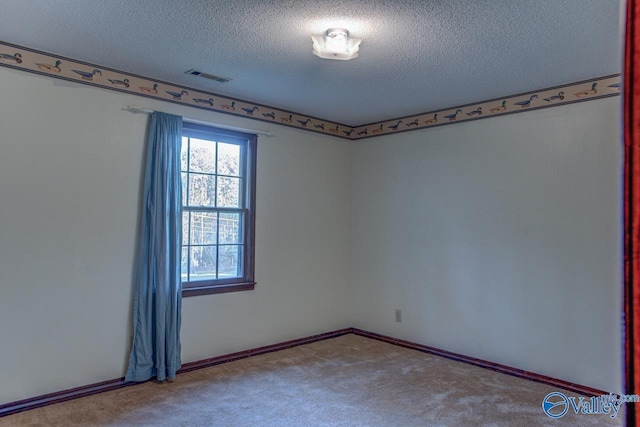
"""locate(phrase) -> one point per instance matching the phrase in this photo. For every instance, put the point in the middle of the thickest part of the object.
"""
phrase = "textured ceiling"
(416, 55)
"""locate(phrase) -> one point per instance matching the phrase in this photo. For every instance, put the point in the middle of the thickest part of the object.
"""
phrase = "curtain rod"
(140, 110)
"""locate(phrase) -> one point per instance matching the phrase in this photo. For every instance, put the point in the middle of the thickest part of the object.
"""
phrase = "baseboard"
(520, 373)
(62, 396)
(91, 389)
(206, 363)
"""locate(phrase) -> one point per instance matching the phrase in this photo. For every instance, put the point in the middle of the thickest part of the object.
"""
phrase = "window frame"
(248, 196)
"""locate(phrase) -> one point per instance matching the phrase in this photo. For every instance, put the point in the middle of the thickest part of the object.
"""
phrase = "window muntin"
(218, 186)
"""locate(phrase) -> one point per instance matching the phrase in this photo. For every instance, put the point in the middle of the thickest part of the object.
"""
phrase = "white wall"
(70, 179)
(498, 239)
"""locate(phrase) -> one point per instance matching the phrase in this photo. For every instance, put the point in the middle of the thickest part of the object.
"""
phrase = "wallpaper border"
(60, 67)
(46, 64)
(570, 93)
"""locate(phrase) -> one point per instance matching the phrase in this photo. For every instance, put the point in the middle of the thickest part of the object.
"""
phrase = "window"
(218, 215)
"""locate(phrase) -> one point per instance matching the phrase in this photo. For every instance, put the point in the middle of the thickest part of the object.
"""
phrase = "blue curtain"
(157, 293)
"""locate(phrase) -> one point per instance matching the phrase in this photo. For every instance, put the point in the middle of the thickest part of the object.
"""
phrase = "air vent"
(218, 79)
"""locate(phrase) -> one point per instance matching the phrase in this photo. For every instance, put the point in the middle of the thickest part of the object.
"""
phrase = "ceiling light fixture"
(336, 44)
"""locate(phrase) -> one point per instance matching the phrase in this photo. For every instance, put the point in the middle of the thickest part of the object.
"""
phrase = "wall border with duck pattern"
(47, 64)
(586, 90)
(60, 67)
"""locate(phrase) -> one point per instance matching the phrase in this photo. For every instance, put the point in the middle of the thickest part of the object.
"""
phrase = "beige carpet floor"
(344, 381)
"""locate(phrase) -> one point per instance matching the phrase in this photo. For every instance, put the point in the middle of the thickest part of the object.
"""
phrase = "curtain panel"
(632, 207)
(157, 289)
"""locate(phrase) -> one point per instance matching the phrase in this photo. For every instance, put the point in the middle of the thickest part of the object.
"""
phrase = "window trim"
(247, 282)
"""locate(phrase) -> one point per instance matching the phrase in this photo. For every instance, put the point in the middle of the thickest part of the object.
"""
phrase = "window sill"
(218, 289)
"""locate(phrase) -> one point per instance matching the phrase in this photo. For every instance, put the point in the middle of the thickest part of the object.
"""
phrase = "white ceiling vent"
(218, 79)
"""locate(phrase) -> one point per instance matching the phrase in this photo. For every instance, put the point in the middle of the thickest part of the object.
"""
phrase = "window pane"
(184, 265)
(185, 228)
(202, 190)
(184, 150)
(228, 192)
(184, 189)
(202, 156)
(230, 228)
(203, 263)
(204, 228)
(228, 159)
(216, 216)
(230, 261)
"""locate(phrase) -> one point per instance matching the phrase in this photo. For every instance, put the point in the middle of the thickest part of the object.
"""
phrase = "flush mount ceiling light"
(336, 44)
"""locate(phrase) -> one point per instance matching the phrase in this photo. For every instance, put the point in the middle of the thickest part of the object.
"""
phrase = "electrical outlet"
(398, 315)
